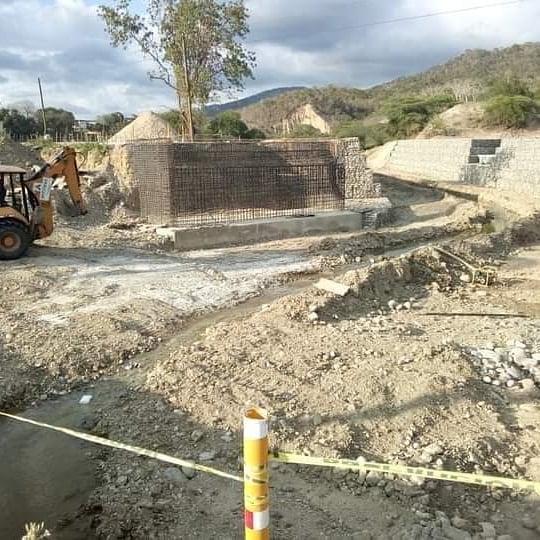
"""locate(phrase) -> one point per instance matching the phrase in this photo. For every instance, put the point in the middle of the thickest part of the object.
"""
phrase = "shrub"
(370, 136)
(437, 128)
(509, 111)
(408, 116)
(510, 87)
(304, 131)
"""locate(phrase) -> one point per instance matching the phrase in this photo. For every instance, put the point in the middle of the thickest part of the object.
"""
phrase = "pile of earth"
(102, 195)
(19, 155)
(362, 379)
(147, 126)
(294, 370)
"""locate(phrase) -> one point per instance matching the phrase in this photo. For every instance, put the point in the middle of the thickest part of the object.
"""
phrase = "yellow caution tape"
(404, 470)
(284, 457)
(127, 447)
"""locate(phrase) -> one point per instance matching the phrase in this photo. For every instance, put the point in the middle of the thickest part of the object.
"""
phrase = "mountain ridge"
(234, 105)
(466, 76)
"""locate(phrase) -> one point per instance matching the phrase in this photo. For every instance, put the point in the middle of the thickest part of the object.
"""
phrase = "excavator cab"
(17, 203)
(26, 210)
(13, 191)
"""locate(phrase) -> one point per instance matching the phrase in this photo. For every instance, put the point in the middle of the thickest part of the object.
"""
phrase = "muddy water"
(46, 476)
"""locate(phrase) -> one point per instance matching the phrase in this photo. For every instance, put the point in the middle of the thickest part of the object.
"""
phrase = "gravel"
(511, 366)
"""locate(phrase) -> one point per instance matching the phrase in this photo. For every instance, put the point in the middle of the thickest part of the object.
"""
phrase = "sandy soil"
(388, 386)
(107, 312)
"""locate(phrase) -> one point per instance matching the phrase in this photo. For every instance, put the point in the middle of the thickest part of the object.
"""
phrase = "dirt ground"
(396, 371)
(12, 153)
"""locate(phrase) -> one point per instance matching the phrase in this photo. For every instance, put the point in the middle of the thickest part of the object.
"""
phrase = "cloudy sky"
(297, 42)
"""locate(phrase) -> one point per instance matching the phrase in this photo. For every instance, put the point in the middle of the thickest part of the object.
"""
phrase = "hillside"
(471, 71)
(212, 110)
(332, 103)
(467, 78)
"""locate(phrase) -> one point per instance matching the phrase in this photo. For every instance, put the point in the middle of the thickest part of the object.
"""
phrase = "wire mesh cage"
(223, 182)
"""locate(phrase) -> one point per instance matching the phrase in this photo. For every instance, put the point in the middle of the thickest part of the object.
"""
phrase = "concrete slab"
(264, 230)
(333, 287)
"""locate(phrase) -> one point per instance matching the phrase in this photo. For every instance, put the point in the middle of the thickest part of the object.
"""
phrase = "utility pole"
(42, 109)
(188, 91)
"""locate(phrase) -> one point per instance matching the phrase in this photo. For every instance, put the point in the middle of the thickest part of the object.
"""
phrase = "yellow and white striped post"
(257, 513)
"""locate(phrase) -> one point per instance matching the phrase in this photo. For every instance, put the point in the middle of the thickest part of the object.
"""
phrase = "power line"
(407, 19)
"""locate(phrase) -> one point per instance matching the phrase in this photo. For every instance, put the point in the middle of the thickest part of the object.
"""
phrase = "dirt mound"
(467, 120)
(146, 126)
(12, 153)
(463, 116)
(364, 355)
(335, 252)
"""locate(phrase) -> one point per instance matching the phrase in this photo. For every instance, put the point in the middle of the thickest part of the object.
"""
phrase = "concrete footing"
(272, 229)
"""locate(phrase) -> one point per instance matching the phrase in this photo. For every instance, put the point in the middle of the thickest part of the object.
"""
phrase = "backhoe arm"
(63, 164)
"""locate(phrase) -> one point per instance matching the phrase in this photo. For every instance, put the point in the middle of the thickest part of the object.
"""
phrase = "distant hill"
(467, 77)
(212, 110)
(474, 68)
(333, 105)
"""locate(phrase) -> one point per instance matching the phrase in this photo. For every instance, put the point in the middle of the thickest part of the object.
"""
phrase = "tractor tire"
(15, 239)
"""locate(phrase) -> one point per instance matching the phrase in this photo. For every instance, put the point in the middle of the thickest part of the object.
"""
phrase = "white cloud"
(300, 42)
(70, 51)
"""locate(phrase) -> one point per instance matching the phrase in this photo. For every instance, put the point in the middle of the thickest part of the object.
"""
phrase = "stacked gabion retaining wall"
(358, 177)
(433, 159)
(505, 164)
(517, 166)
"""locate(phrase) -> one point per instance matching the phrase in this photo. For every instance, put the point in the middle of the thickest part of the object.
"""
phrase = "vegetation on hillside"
(408, 116)
(512, 104)
(505, 83)
(333, 103)
(212, 110)
(410, 105)
(510, 111)
(470, 75)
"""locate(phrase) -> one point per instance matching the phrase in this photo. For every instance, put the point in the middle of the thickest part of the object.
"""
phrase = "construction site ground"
(173, 347)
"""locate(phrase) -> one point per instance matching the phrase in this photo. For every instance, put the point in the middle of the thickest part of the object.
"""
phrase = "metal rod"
(24, 196)
(42, 109)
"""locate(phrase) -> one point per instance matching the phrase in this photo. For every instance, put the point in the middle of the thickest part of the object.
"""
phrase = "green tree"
(111, 123)
(59, 121)
(196, 45)
(256, 134)
(407, 118)
(370, 136)
(17, 125)
(509, 111)
(304, 131)
(229, 124)
(174, 118)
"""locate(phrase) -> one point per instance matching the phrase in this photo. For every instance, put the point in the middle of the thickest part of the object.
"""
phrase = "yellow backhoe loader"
(26, 211)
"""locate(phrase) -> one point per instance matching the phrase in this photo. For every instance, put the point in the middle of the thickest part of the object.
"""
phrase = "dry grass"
(36, 531)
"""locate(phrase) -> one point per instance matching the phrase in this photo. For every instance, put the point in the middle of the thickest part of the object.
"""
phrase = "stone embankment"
(511, 165)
